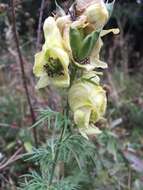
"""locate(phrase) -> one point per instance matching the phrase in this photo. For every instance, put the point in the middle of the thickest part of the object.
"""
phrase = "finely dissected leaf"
(80, 148)
(88, 45)
(65, 184)
(53, 118)
(34, 181)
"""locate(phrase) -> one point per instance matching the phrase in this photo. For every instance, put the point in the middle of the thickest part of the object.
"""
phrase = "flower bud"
(97, 15)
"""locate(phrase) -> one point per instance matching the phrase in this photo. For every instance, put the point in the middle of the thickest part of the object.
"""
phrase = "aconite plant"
(69, 60)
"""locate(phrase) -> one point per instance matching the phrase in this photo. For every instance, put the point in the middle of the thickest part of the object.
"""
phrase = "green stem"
(56, 155)
(61, 136)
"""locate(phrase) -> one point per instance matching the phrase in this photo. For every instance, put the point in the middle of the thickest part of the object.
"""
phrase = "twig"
(12, 159)
(24, 80)
(40, 25)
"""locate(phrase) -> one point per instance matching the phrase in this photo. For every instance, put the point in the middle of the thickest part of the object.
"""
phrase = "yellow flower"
(97, 15)
(87, 100)
(95, 10)
(63, 24)
(51, 64)
(81, 5)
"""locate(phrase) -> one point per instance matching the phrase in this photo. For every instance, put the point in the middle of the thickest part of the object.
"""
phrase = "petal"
(87, 67)
(97, 48)
(43, 81)
(66, 39)
(61, 81)
(113, 30)
(63, 24)
(91, 77)
(85, 96)
(94, 58)
(97, 96)
(99, 103)
(96, 63)
(80, 23)
(82, 117)
(61, 54)
(90, 131)
(39, 63)
(97, 15)
(78, 96)
(83, 4)
(51, 33)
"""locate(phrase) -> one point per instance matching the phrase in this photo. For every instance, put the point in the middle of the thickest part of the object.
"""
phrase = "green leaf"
(110, 7)
(82, 47)
(28, 146)
(75, 41)
(88, 45)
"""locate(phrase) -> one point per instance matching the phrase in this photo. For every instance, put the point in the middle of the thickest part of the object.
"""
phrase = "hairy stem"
(24, 80)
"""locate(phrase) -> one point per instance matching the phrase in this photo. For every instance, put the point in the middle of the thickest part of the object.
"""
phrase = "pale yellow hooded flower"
(51, 64)
(87, 100)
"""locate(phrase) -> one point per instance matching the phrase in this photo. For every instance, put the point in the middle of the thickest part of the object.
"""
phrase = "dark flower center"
(85, 61)
(53, 67)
